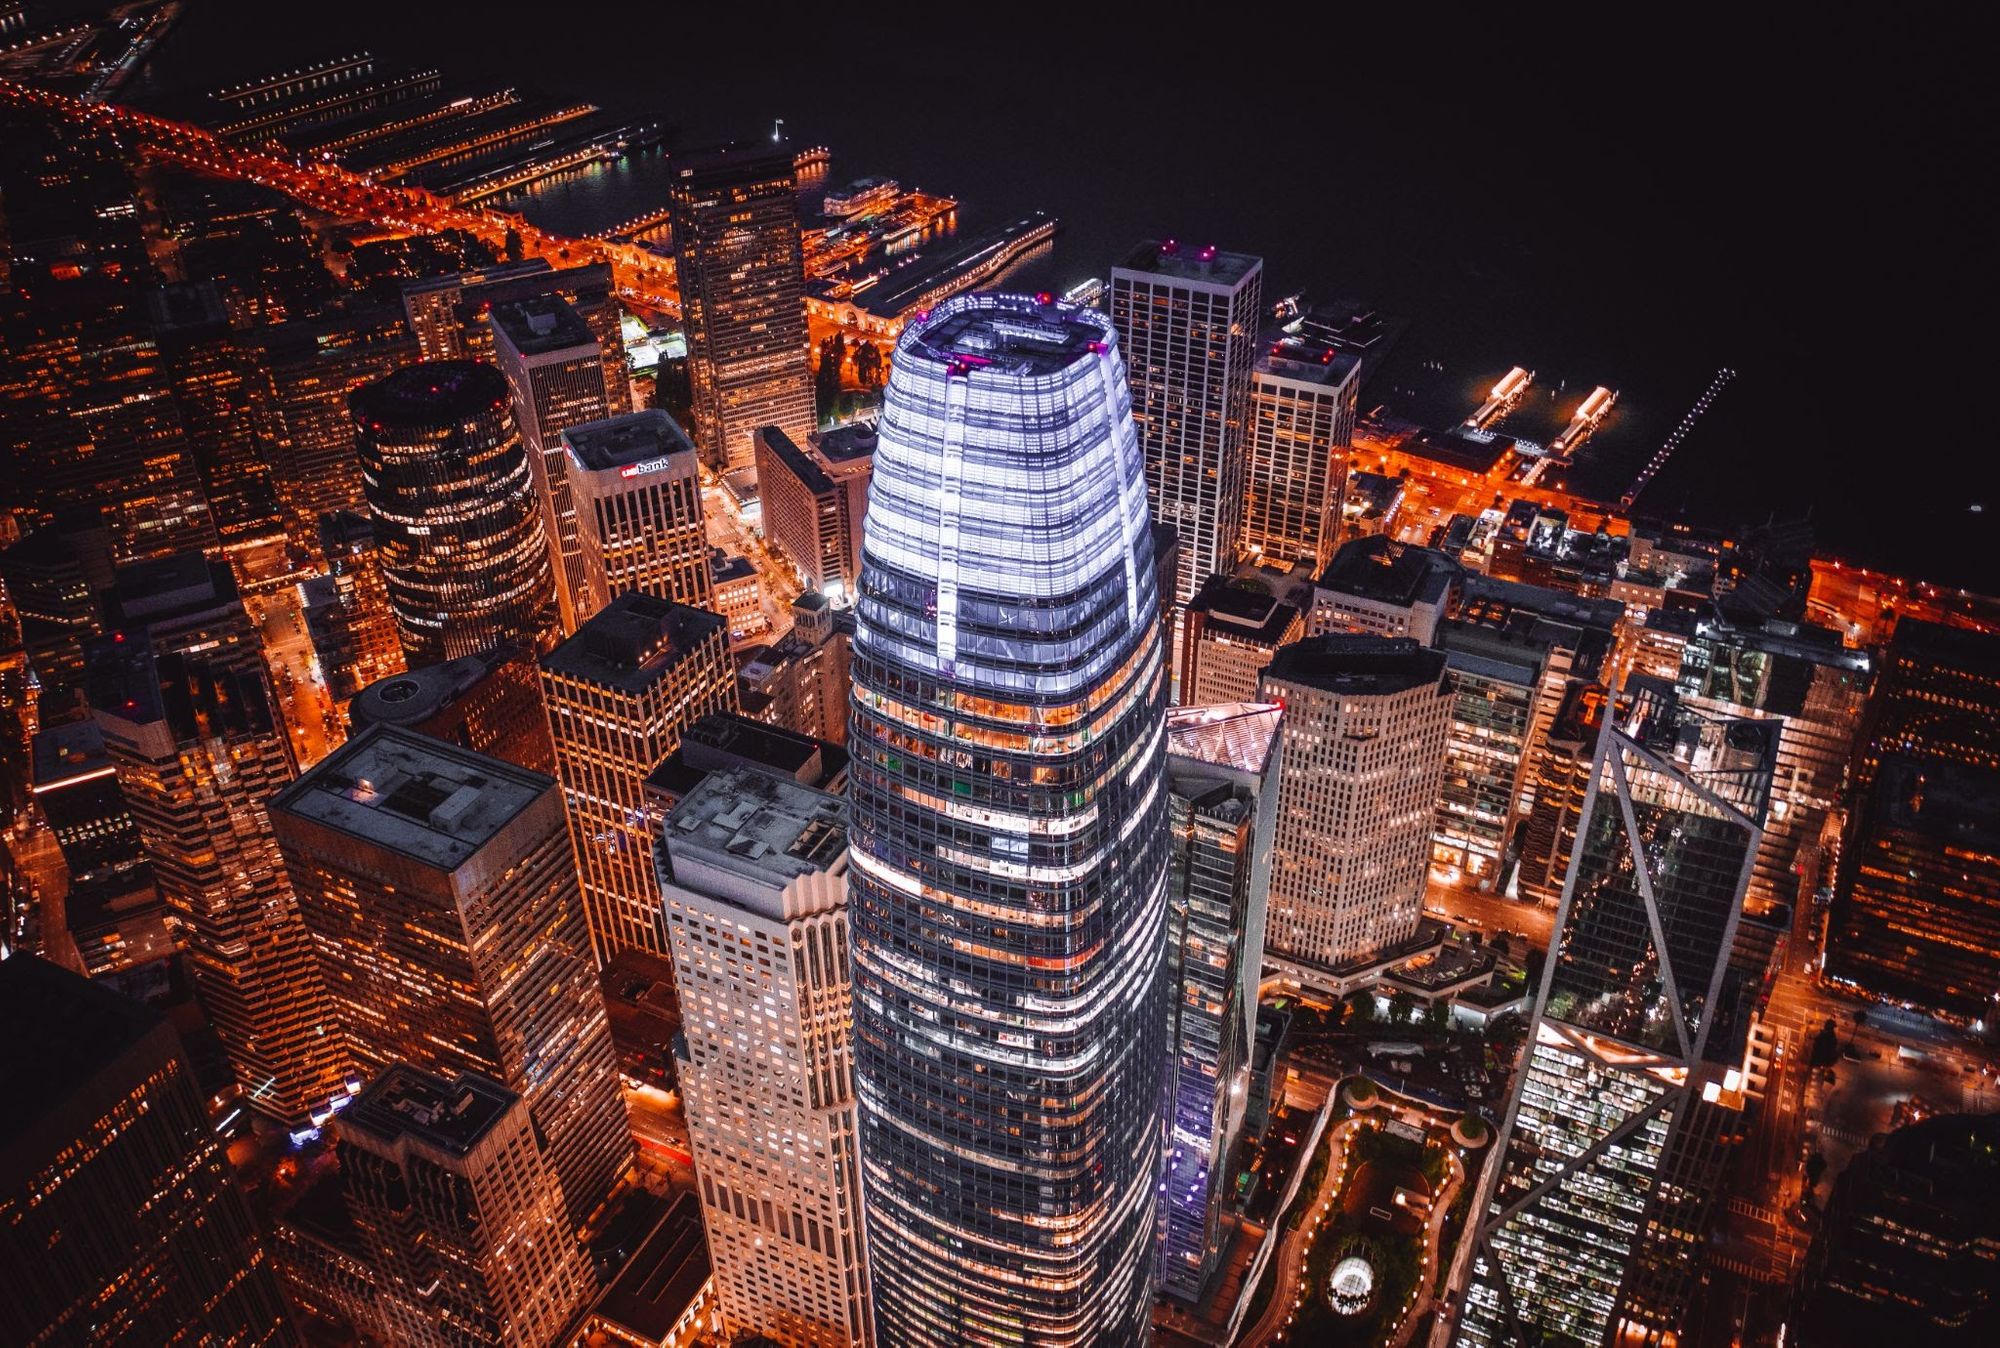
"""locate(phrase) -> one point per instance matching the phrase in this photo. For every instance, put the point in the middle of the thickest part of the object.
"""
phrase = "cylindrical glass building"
(1008, 837)
(464, 558)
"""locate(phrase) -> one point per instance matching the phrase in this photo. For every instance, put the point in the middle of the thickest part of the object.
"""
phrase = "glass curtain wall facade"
(1572, 1208)
(1222, 766)
(1008, 832)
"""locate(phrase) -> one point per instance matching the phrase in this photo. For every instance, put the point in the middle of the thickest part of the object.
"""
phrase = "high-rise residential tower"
(118, 1219)
(1187, 320)
(555, 368)
(1222, 774)
(1302, 415)
(441, 893)
(457, 526)
(741, 272)
(754, 890)
(198, 751)
(1008, 838)
(619, 694)
(1366, 720)
(1580, 1219)
(636, 489)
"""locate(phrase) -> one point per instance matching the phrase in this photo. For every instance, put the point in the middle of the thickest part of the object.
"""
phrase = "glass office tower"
(1576, 1214)
(1008, 838)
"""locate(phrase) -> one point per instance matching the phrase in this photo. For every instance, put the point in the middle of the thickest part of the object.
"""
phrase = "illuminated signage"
(643, 467)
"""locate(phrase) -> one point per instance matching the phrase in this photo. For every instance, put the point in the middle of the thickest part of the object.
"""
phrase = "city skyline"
(671, 687)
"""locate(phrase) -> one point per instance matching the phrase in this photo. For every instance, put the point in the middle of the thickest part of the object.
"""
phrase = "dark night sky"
(1634, 206)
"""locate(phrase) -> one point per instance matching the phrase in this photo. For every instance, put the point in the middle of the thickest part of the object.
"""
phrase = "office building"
(490, 704)
(618, 696)
(636, 489)
(741, 272)
(76, 789)
(185, 604)
(738, 595)
(1229, 634)
(1302, 414)
(1385, 588)
(88, 419)
(1222, 795)
(347, 611)
(645, 1015)
(1187, 321)
(198, 752)
(1579, 1221)
(1916, 917)
(1577, 635)
(1937, 697)
(815, 498)
(452, 496)
(729, 739)
(555, 370)
(1807, 678)
(1561, 784)
(450, 315)
(118, 1219)
(1367, 720)
(1496, 681)
(213, 370)
(309, 367)
(800, 682)
(441, 893)
(1904, 1252)
(1008, 575)
(53, 578)
(458, 1214)
(439, 319)
(754, 890)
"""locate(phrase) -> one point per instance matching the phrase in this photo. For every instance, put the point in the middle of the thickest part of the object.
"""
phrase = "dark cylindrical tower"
(463, 554)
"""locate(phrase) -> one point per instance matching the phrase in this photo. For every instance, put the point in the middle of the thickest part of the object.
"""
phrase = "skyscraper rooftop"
(1014, 334)
(1190, 262)
(621, 441)
(61, 1030)
(757, 825)
(450, 1115)
(1237, 735)
(1370, 665)
(631, 643)
(540, 324)
(429, 393)
(410, 793)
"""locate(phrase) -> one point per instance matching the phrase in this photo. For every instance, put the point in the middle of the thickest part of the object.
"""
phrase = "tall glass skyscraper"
(1008, 904)
(1581, 1221)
